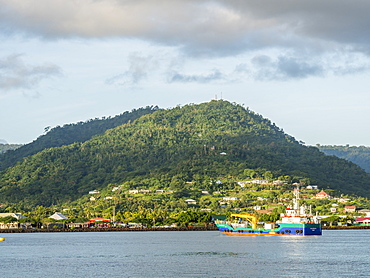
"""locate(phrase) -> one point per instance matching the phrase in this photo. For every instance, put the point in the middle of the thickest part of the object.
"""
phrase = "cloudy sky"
(305, 65)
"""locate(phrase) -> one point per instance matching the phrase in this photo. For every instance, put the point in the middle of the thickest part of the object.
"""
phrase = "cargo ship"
(296, 221)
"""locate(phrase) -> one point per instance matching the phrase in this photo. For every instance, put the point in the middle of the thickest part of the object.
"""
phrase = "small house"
(259, 181)
(12, 214)
(277, 182)
(99, 223)
(350, 208)
(191, 201)
(365, 211)
(363, 220)
(230, 198)
(242, 183)
(323, 195)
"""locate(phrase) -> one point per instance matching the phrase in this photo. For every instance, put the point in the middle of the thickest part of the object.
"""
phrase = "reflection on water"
(184, 254)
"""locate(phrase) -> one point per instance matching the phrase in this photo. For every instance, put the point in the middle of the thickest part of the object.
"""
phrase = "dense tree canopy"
(193, 143)
(68, 134)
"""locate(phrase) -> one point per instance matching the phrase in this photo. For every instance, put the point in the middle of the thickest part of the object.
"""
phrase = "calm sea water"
(184, 254)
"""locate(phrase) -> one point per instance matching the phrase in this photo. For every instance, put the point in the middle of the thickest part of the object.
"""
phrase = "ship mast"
(296, 198)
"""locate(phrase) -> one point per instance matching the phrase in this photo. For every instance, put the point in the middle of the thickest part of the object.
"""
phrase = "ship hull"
(282, 230)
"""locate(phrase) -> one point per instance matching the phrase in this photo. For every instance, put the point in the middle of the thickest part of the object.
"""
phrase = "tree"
(268, 175)
(331, 220)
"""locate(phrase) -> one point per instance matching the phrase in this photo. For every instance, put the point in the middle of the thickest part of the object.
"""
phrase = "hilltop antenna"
(215, 96)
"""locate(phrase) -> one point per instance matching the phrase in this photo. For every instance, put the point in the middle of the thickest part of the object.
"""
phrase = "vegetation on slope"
(359, 155)
(70, 133)
(183, 144)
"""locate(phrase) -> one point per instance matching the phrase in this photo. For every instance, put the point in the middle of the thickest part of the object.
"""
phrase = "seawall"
(107, 230)
(345, 227)
(209, 228)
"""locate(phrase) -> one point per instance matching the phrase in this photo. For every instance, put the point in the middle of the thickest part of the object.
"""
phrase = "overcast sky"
(305, 65)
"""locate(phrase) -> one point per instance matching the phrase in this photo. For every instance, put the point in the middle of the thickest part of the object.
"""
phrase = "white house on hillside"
(191, 201)
(58, 216)
(365, 211)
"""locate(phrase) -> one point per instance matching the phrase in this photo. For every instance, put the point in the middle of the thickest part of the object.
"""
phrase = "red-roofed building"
(323, 195)
(363, 220)
(350, 208)
(99, 222)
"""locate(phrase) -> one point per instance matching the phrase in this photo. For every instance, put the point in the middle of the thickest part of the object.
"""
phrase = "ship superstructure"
(297, 220)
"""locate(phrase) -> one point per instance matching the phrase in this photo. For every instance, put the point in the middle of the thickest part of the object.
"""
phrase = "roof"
(322, 192)
(362, 219)
(99, 220)
(12, 214)
(364, 210)
(58, 216)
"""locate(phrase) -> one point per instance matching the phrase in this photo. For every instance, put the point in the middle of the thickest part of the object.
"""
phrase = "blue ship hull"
(282, 229)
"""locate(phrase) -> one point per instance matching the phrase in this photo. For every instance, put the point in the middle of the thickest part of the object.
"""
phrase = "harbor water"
(343, 253)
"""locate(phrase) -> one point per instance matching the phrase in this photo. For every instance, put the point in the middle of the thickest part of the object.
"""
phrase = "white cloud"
(215, 75)
(308, 35)
(15, 74)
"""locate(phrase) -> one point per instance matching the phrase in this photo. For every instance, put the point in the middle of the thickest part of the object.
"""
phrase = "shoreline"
(89, 230)
(172, 229)
(345, 227)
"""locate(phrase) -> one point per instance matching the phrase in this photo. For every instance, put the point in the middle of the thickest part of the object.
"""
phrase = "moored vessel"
(296, 221)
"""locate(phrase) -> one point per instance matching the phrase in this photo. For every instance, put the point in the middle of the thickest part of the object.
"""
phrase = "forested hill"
(70, 133)
(190, 143)
(359, 155)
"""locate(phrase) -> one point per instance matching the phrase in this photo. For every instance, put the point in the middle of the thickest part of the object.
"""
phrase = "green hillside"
(70, 133)
(359, 155)
(211, 140)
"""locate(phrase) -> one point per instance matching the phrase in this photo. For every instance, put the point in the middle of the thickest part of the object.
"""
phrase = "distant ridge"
(8, 147)
(357, 154)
